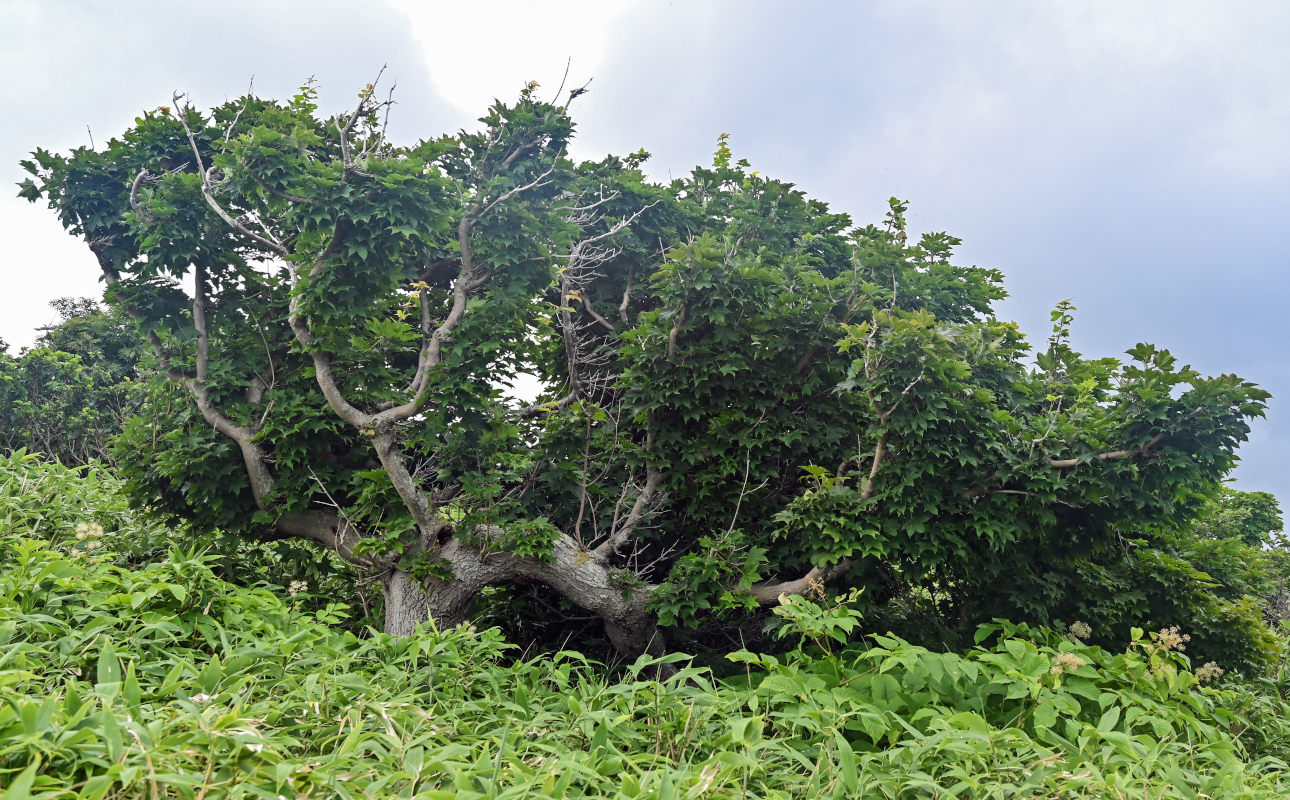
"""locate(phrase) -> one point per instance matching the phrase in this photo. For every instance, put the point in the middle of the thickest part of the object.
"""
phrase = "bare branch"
(676, 330)
(540, 180)
(229, 219)
(627, 298)
(568, 63)
(604, 198)
(606, 324)
(744, 492)
(228, 132)
(363, 108)
(654, 479)
(545, 408)
(199, 322)
(232, 222)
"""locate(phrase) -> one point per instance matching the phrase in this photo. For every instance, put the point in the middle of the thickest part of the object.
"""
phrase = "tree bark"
(406, 604)
(573, 571)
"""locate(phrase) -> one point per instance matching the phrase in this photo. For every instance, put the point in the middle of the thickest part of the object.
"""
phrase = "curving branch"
(276, 247)
(627, 299)
(145, 216)
(322, 361)
(432, 346)
(879, 453)
(676, 330)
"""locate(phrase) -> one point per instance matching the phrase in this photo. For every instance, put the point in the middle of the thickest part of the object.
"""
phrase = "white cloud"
(478, 52)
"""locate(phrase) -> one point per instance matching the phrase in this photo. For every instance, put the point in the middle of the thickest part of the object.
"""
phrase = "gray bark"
(406, 603)
(574, 572)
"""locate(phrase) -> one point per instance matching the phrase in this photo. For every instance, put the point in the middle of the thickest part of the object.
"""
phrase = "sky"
(1133, 157)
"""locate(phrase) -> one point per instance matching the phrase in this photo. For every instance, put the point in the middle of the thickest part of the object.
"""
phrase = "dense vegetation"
(744, 394)
(71, 393)
(166, 681)
(274, 526)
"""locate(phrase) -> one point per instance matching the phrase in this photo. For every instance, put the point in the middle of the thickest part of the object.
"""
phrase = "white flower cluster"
(1066, 662)
(296, 587)
(1209, 672)
(1172, 639)
(89, 533)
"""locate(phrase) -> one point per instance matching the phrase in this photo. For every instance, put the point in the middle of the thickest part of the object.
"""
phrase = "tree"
(67, 396)
(1253, 518)
(743, 395)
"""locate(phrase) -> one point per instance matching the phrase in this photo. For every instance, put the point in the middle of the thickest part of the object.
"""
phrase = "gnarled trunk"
(579, 575)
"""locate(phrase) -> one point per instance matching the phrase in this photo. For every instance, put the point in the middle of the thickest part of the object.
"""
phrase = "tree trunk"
(406, 603)
(575, 573)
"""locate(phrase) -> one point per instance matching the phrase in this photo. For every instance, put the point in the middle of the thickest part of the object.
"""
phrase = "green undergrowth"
(166, 681)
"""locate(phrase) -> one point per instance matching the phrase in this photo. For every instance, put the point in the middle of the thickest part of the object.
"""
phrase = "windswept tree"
(742, 394)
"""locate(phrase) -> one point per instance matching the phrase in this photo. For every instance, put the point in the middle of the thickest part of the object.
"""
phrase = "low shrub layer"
(166, 681)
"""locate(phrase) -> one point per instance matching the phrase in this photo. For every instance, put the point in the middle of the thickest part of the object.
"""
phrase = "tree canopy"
(70, 393)
(743, 394)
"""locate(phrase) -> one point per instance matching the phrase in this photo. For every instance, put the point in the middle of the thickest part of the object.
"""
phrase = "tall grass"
(166, 681)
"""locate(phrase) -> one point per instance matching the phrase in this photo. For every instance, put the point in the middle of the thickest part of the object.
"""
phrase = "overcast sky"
(1131, 156)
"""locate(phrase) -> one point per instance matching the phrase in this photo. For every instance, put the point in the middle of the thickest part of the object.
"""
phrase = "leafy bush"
(67, 396)
(86, 509)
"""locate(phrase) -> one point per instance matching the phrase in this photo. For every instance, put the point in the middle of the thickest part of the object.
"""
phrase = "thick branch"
(432, 347)
(584, 581)
(332, 531)
(1144, 450)
(144, 215)
(879, 453)
(322, 361)
(769, 593)
(417, 502)
(627, 298)
(258, 473)
(606, 324)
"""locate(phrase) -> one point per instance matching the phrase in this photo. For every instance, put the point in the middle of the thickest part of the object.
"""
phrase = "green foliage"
(167, 681)
(800, 392)
(1252, 518)
(67, 396)
(87, 511)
